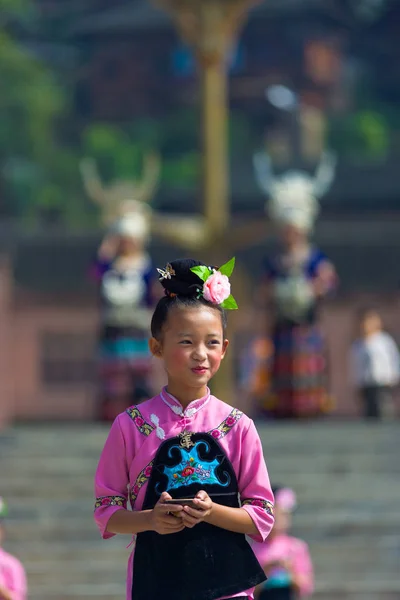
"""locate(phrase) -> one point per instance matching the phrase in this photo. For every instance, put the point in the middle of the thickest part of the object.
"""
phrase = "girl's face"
(192, 347)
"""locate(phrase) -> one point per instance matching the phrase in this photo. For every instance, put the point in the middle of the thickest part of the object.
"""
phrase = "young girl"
(12, 574)
(285, 559)
(188, 447)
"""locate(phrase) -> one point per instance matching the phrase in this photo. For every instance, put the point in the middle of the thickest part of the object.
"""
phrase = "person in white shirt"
(375, 365)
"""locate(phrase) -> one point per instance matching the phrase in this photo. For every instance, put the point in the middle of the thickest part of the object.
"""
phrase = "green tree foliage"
(39, 174)
(119, 151)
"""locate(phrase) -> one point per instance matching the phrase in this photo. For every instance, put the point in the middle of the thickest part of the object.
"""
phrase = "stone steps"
(345, 475)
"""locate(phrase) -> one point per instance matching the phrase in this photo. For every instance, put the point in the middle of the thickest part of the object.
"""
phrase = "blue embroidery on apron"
(193, 469)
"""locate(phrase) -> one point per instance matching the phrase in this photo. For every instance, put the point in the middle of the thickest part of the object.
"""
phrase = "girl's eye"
(214, 342)
(185, 342)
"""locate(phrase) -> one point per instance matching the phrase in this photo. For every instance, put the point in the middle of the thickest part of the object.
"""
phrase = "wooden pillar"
(215, 145)
(209, 27)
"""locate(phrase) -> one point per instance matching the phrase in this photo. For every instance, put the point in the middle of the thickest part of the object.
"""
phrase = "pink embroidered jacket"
(12, 576)
(293, 550)
(126, 461)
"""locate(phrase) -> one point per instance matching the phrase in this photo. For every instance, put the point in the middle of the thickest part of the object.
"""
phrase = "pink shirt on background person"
(12, 575)
(286, 548)
(126, 461)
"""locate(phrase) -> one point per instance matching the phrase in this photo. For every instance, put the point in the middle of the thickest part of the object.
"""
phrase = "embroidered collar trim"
(176, 407)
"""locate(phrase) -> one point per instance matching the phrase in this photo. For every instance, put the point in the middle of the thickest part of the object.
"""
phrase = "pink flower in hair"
(286, 498)
(217, 288)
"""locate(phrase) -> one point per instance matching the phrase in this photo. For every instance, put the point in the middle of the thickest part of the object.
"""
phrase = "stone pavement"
(346, 477)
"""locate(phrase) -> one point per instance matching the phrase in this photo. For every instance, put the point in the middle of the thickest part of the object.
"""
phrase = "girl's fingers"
(174, 529)
(197, 514)
(170, 519)
(202, 504)
(173, 526)
(164, 496)
(190, 521)
(202, 495)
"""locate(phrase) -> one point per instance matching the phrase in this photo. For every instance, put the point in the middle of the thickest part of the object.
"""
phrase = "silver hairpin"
(166, 273)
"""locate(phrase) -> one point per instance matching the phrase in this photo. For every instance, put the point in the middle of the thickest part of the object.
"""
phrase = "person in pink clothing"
(286, 560)
(12, 574)
(190, 466)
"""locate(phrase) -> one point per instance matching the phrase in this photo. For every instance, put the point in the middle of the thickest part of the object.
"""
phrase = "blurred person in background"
(285, 559)
(13, 584)
(375, 365)
(255, 369)
(123, 270)
(297, 279)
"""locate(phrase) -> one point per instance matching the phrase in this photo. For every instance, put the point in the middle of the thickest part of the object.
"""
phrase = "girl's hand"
(284, 563)
(161, 519)
(280, 563)
(5, 594)
(194, 516)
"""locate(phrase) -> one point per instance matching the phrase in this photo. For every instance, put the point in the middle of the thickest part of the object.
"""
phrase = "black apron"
(278, 593)
(205, 562)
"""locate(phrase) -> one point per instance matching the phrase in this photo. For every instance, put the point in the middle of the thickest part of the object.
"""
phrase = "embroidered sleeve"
(136, 416)
(224, 428)
(110, 501)
(141, 480)
(254, 485)
(111, 481)
(267, 506)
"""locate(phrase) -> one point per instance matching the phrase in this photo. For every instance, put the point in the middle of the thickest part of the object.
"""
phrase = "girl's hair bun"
(182, 288)
(178, 280)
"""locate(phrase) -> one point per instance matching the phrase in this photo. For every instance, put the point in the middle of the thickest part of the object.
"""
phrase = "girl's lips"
(199, 370)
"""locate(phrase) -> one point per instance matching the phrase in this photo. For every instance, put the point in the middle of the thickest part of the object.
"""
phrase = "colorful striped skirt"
(298, 377)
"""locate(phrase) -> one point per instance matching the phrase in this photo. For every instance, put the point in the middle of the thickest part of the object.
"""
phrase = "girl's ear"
(155, 347)
(224, 347)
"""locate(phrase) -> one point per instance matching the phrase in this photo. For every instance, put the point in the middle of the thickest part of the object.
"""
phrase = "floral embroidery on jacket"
(226, 425)
(140, 423)
(267, 506)
(193, 469)
(110, 501)
(142, 478)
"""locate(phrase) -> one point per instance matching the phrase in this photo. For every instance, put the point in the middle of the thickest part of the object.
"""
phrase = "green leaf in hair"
(227, 268)
(202, 272)
(229, 304)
